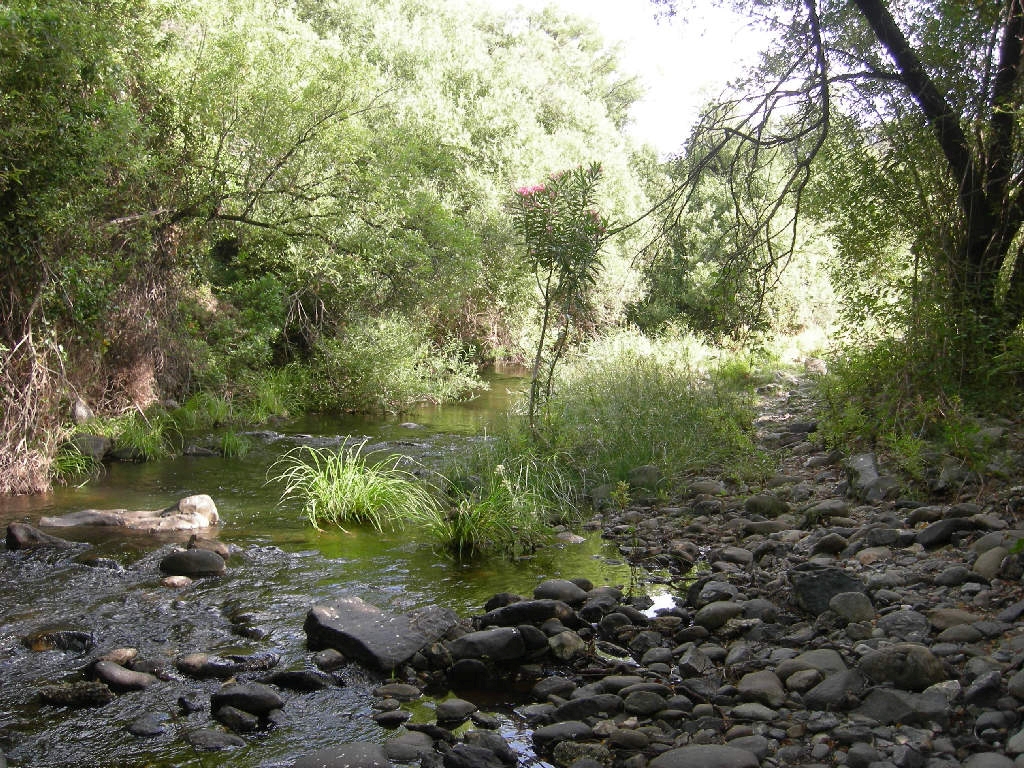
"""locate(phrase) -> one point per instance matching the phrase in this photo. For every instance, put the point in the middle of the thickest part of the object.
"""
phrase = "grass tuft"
(345, 488)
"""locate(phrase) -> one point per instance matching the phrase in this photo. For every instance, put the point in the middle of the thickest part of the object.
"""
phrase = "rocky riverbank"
(828, 617)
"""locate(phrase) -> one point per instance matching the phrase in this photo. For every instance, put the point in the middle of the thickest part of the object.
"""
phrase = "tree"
(930, 95)
(563, 232)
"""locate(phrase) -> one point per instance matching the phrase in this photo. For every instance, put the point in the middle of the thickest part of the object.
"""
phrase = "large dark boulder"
(529, 612)
(366, 633)
(496, 644)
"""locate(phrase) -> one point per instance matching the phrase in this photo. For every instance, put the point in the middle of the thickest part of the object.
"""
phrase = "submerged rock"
(73, 640)
(77, 695)
(22, 536)
(358, 754)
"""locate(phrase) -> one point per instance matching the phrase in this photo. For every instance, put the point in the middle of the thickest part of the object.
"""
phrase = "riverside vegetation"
(279, 205)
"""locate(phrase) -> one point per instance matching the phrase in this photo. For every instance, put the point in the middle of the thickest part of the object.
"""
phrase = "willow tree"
(924, 101)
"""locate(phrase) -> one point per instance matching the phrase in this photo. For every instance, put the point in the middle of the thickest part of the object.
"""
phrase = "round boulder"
(193, 563)
(909, 666)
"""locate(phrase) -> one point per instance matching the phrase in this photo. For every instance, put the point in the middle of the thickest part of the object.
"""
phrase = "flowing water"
(112, 591)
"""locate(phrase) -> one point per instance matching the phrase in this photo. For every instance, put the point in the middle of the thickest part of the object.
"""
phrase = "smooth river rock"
(193, 563)
(187, 514)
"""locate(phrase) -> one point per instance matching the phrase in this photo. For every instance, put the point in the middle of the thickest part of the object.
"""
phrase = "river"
(113, 592)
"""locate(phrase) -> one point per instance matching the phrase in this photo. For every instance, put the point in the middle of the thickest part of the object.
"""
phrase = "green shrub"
(345, 488)
(388, 365)
(904, 398)
(506, 495)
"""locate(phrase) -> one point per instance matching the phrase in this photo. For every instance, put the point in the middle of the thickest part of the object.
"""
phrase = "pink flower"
(527, 191)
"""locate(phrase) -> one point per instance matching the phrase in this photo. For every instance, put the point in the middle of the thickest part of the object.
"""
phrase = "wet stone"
(560, 589)
(643, 703)
(301, 680)
(255, 698)
(715, 615)
(68, 640)
(553, 686)
(454, 711)
(354, 755)
(470, 756)
(400, 691)
(409, 746)
(546, 737)
(329, 659)
(392, 718)
(236, 719)
(210, 740)
(120, 679)
(149, 725)
(193, 563)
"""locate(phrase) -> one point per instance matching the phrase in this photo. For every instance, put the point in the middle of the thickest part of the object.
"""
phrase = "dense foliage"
(264, 206)
(195, 194)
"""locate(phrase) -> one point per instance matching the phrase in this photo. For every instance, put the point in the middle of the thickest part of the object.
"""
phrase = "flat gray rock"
(814, 587)
(358, 754)
(706, 756)
(364, 632)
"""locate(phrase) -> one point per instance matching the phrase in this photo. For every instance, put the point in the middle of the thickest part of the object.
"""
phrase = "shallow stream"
(113, 591)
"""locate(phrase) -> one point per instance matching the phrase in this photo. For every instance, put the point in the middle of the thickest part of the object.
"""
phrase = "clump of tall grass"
(345, 488)
(138, 435)
(204, 410)
(70, 465)
(504, 499)
(233, 445)
(629, 400)
(277, 392)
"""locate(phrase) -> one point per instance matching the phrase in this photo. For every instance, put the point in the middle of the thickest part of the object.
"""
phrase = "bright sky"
(681, 62)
